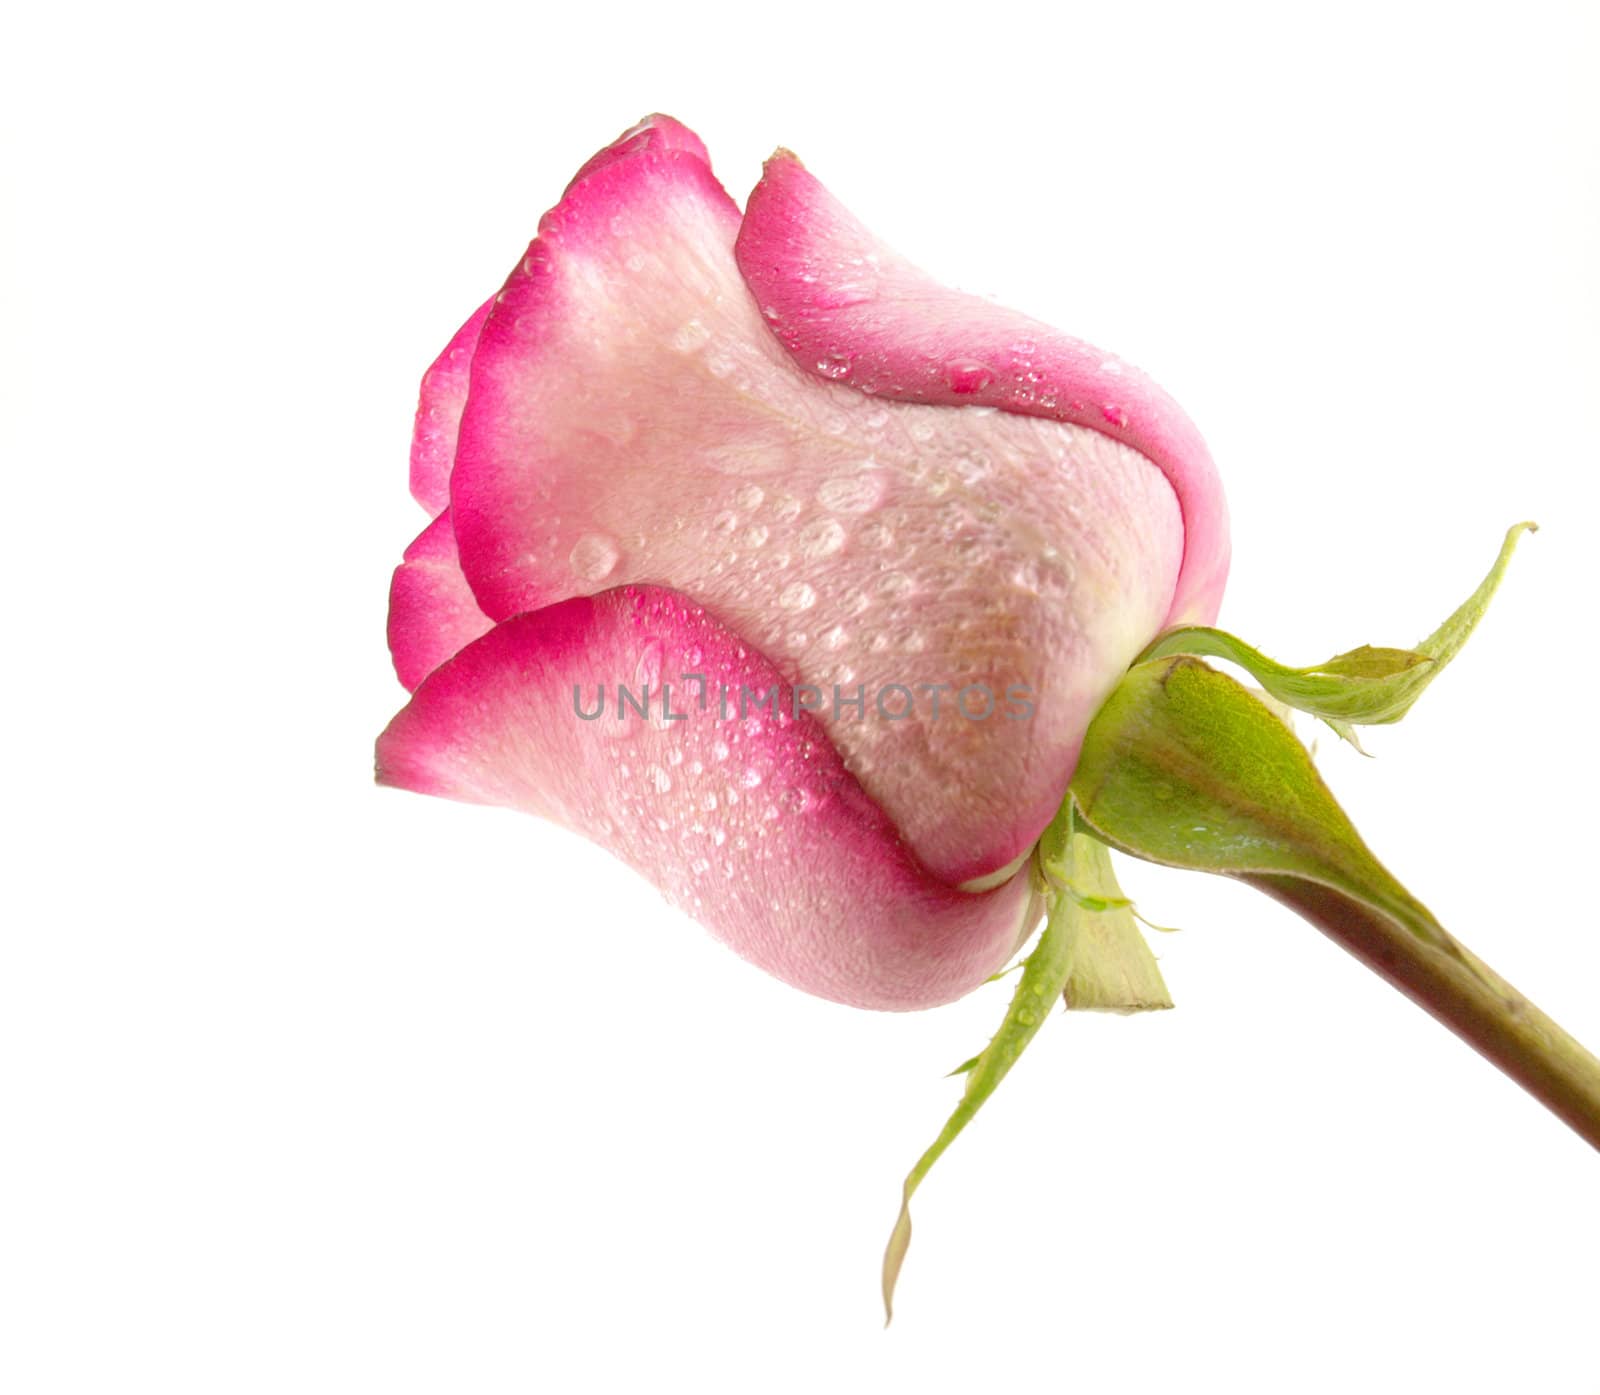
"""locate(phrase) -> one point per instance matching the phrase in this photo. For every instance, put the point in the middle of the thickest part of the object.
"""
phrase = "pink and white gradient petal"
(752, 826)
(431, 610)
(850, 309)
(439, 405)
(654, 132)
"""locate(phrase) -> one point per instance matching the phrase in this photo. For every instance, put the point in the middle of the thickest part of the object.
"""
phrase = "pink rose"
(730, 458)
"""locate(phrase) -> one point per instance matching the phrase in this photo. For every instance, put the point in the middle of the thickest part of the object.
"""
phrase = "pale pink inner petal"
(750, 825)
(633, 420)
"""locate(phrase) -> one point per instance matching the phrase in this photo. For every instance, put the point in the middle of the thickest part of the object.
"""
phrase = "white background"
(310, 1086)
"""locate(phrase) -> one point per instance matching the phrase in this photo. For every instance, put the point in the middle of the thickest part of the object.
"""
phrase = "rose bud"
(786, 574)
(866, 618)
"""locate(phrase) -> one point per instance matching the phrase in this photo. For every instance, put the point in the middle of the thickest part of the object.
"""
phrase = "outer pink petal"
(431, 610)
(444, 385)
(655, 132)
(632, 420)
(439, 404)
(752, 826)
(850, 309)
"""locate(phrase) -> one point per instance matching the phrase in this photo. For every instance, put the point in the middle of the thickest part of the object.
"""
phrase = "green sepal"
(1367, 686)
(1183, 766)
(1113, 970)
(1044, 977)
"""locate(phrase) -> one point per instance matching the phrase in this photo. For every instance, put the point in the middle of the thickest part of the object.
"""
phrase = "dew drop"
(967, 375)
(749, 497)
(834, 365)
(594, 556)
(648, 669)
(849, 493)
(822, 538)
(797, 595)
(691, 336)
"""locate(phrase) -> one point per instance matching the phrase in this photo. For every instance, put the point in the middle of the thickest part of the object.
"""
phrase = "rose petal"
(431, 610)
(439, 404)
(631, 419)
(654, 132)
(752, 826)
(444, 385)
(850, 309)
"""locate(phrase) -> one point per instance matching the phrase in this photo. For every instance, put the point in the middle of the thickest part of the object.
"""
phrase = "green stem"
(1463, 993)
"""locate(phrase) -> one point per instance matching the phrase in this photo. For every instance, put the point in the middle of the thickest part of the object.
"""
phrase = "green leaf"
(1183, 766)
(1044, 977)
(1367, 686)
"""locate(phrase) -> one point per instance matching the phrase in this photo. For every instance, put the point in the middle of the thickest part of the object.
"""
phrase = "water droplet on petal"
(834, 365)
(822, 538)
(797, 595)
(594, 556)
(691, 335)
(850, 493)
(967, 375)
(648, 669)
